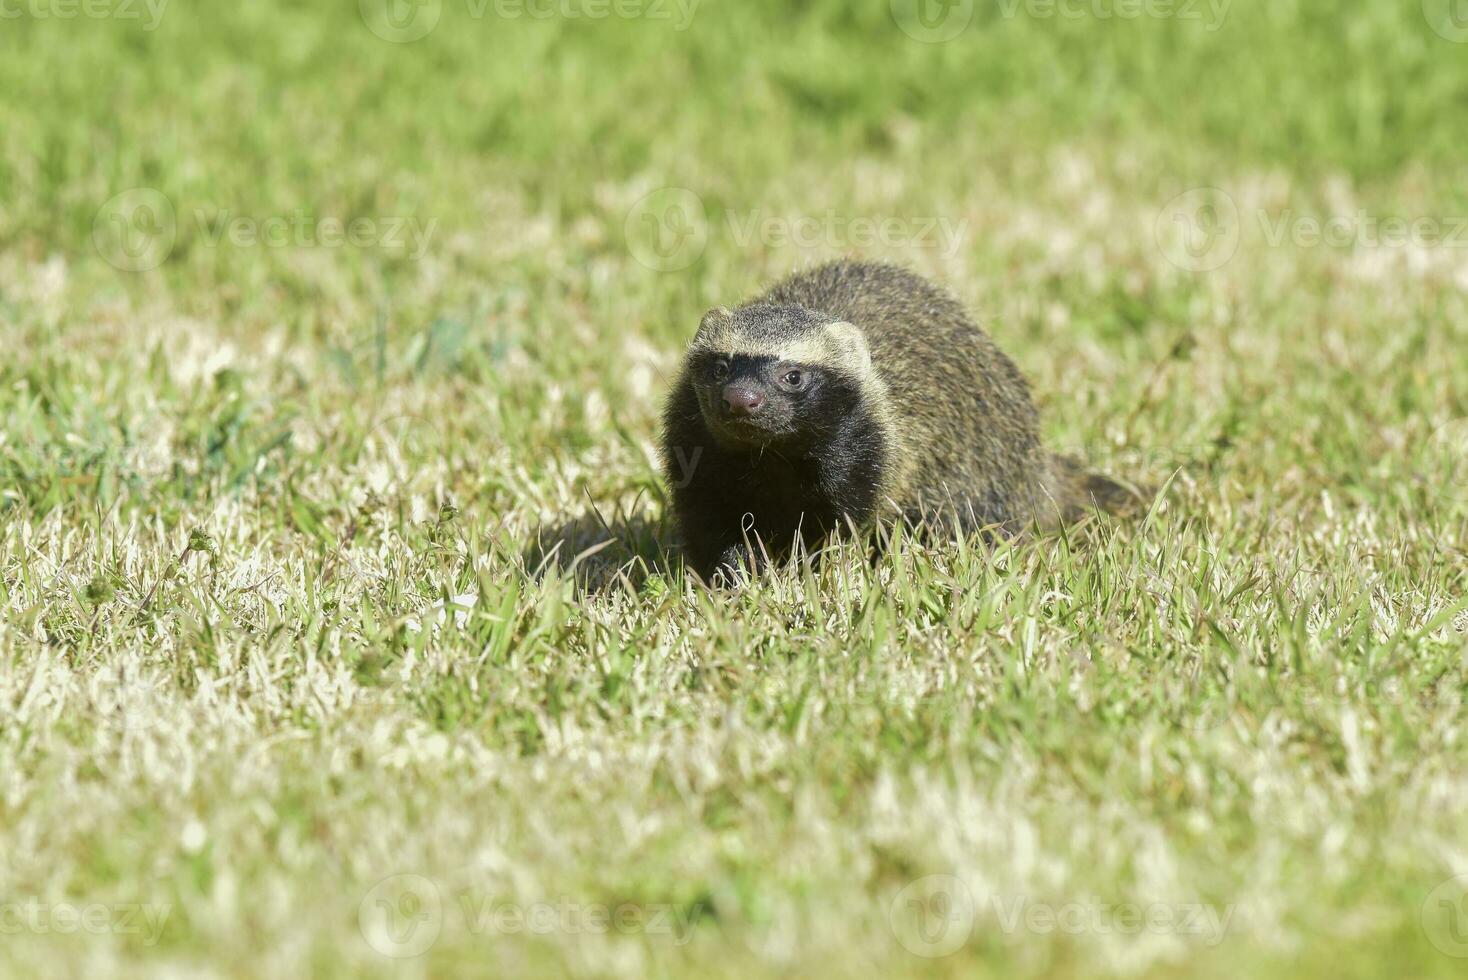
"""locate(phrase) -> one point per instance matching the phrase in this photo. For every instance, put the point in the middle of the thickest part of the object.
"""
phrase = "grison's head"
(772, 376)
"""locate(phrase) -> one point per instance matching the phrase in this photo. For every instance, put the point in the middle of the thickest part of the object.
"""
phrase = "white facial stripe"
(814, 350)
(839, 345)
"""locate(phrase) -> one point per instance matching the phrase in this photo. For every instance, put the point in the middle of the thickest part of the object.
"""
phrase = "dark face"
(761, 401)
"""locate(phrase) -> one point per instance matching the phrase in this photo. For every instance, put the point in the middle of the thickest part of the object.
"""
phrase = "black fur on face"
(757, 401)
(773, 435)
(742, 490)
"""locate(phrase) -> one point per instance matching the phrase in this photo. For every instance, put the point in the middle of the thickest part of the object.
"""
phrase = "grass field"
(342, 628)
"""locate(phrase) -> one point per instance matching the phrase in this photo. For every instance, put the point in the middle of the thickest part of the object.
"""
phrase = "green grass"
(327, 563)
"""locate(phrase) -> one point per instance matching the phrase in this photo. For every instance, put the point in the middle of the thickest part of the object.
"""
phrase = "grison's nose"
(740, 402)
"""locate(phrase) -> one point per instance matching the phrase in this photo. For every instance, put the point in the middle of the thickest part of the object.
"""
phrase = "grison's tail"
(1079, 491)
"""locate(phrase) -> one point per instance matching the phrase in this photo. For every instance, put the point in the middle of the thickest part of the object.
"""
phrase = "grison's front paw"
(727, 568)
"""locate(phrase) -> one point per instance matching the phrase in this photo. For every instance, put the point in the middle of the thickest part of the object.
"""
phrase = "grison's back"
(959, 400)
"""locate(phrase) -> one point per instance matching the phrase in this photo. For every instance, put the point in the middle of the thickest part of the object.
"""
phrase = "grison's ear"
(849, 344)
(714, 320)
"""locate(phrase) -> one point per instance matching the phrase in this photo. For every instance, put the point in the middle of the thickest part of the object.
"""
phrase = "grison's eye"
(721, 370)
(793, 379)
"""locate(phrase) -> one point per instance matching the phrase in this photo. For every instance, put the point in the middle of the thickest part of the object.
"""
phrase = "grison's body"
(850, 393)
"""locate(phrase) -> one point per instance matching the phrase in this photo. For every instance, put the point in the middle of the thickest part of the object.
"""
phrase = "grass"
(344, 632)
